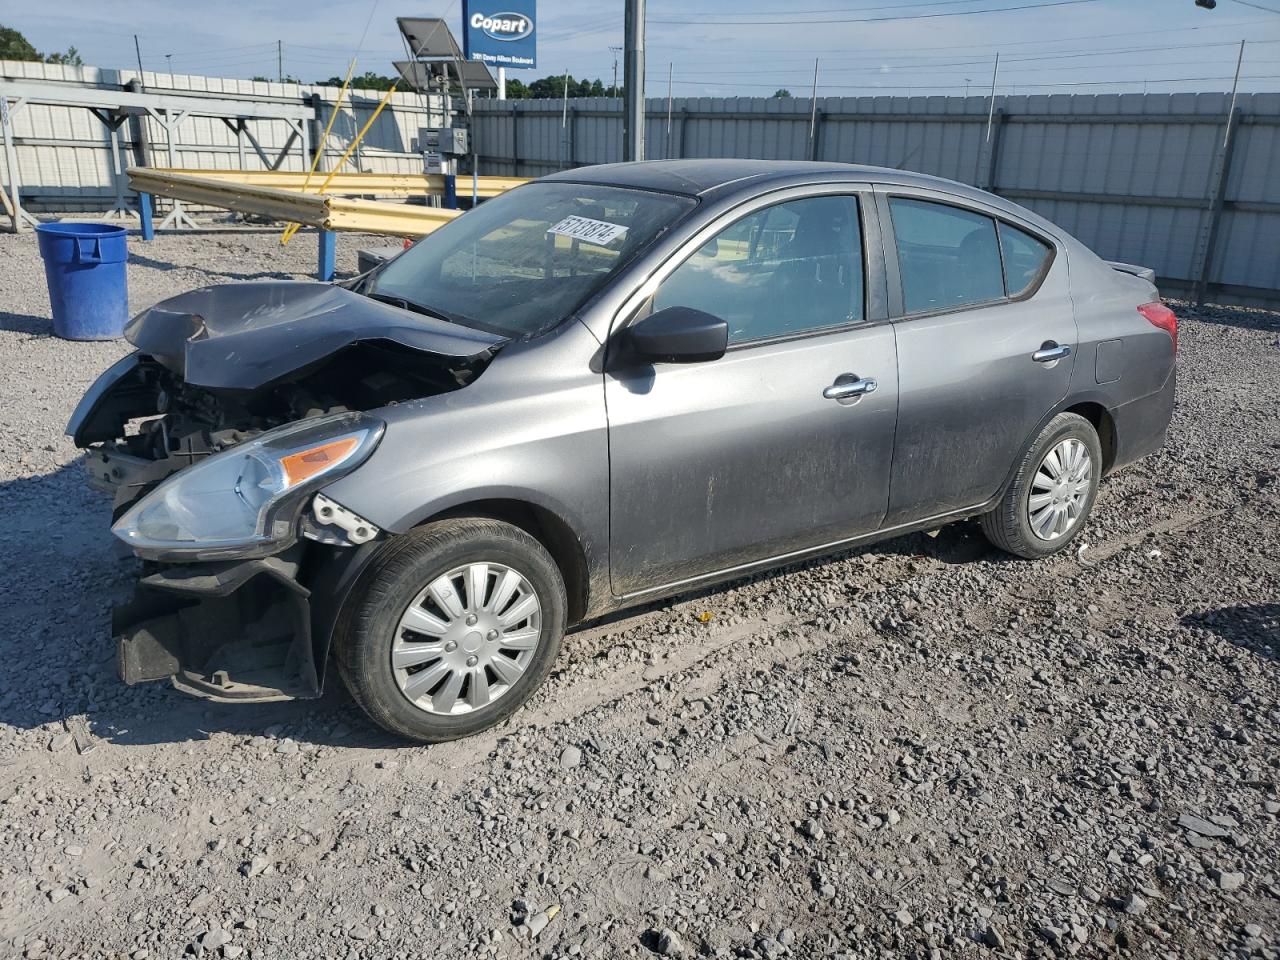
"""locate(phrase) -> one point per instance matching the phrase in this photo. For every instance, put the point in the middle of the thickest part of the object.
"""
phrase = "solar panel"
(425, 75)
(429, 37)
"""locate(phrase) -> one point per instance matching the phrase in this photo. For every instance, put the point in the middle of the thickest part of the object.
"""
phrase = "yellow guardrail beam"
(378, 184)
(393, 219)
(242, 197)
(310, 209)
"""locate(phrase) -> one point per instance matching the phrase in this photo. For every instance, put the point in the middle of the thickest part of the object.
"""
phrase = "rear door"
(985, 335)
(718, 465)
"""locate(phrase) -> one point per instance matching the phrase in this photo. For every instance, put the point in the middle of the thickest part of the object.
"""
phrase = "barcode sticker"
(599, 232)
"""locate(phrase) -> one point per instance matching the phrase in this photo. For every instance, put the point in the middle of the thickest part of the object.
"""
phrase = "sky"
(715, 48)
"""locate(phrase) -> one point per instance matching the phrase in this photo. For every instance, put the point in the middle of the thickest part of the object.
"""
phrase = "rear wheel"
(1052, 493)
(458, 624)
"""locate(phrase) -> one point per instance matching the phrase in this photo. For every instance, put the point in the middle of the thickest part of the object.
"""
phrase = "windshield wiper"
(405, 304)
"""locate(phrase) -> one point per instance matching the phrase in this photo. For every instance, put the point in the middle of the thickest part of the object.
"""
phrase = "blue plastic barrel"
(84, 264)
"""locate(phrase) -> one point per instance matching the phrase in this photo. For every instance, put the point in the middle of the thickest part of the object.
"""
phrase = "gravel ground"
(921, 749)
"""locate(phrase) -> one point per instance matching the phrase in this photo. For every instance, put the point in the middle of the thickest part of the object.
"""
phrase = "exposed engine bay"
(219, 368)
(260, 355)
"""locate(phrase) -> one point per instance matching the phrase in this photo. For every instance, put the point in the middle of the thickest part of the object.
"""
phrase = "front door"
(784, 443)
(985, 335)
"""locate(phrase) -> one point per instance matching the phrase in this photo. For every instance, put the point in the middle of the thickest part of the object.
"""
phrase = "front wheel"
(456, 626)
(1052, 492)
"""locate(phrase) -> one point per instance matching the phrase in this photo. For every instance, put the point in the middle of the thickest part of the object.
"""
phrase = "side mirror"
(679, 335)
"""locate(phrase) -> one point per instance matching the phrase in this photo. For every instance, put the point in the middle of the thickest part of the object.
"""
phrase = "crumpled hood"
(241, 336)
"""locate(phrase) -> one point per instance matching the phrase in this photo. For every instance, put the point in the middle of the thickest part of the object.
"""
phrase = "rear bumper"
(1142, 425)
(237, 630)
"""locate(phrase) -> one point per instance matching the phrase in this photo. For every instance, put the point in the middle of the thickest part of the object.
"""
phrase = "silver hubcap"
(466, 639)
(1060, 489)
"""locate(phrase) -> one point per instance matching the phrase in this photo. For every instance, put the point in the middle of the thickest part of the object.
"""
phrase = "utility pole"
(633, 80)
(280, 60)
(138, 50)
(168, 63)
(613, 91)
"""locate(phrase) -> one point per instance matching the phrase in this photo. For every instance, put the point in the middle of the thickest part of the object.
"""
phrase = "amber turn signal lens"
(305, 464)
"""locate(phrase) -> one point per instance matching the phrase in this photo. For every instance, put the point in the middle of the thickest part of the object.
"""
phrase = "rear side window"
(1025, 259)
(947, 257)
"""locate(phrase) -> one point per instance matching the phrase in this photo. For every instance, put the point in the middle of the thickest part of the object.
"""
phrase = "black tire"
(1008, 526)
(369, 625)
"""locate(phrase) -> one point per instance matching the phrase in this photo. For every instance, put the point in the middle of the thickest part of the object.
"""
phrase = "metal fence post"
(144, 216)
(328, 264)
(572, 146)
(816, 139)
(1207, 251)
(515, 140)
(993, 152)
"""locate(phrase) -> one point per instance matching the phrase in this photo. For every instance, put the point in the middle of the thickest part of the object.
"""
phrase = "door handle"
(1051, 351)
(850, 388)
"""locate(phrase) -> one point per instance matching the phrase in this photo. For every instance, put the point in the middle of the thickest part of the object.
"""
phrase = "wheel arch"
(548, 528)
(1085, 406)
(1103, 423)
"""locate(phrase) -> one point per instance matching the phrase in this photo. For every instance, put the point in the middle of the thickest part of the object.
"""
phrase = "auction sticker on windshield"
(600, 232)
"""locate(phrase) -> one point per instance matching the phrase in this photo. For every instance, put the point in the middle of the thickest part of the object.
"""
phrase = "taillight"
(1161, 316)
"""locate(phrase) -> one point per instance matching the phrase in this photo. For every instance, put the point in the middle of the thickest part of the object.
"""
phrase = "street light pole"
(633, 82)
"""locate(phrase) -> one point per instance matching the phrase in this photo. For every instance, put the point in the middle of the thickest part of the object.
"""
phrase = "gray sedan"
(602, 388)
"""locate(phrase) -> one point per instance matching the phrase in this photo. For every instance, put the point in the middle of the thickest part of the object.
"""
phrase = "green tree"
(14, 46)
(779, 94)
(517, 89)
(366, 81)
(553, 88)
(69, 59)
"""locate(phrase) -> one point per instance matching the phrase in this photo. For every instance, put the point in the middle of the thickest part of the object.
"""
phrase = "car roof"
(699, 177)
(708, 178)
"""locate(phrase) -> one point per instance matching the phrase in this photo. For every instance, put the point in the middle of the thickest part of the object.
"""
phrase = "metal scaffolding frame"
(114, 107)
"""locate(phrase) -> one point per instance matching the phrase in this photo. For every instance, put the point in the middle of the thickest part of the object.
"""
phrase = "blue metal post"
(144, 214)
(450, 191)
(328, 254)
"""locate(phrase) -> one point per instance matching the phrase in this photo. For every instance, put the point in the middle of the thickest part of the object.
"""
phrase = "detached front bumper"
(237, 630)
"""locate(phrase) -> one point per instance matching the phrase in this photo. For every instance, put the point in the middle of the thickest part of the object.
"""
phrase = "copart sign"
(500, 32)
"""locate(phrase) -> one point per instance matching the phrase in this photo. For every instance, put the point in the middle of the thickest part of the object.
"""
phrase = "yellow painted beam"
(377, 184)
(293, 206)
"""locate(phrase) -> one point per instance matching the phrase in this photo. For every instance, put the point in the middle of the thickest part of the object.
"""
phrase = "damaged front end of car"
(216, 439)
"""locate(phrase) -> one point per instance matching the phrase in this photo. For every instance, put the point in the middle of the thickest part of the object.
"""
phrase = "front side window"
(523, 262)
(947, 257)
(787, 269)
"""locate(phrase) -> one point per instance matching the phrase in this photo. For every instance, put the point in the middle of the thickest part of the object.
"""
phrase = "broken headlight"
(244, 502)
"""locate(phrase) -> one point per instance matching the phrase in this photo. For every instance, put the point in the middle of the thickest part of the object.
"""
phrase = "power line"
(928, 66)
(800, 67)
(794, 76)
(846, 9)
(1257, 6)
(702, 21)
(991, 48)
(875, 88)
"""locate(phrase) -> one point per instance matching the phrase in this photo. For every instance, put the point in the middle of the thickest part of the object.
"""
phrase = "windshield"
(521, 263)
